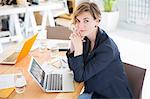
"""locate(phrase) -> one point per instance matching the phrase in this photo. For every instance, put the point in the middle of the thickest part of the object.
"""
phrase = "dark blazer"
(101, 70)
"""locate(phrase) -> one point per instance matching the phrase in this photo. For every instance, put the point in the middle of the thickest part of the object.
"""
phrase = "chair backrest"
(136, 78)
(58, 32)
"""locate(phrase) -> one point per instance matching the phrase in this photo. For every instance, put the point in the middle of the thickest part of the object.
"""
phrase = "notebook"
(5, 93)
(17, 56)
(51, 79)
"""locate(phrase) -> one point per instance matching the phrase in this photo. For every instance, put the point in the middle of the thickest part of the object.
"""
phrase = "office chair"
(58, 32)
(136, 78)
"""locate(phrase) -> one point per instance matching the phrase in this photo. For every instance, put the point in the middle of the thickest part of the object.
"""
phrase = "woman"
(94, 57)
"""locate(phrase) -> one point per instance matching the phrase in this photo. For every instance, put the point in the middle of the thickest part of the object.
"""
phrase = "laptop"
(17, 56)
(51, 79)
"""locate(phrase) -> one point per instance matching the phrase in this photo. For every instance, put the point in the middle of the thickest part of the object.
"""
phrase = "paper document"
(1, 49)
(6, 81)
(62, 44)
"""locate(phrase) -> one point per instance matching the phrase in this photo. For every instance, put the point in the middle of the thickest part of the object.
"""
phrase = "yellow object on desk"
(4, 93)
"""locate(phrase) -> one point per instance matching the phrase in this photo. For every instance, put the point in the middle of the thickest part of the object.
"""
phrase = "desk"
(46, 9)
(33, 91)
(13, 12)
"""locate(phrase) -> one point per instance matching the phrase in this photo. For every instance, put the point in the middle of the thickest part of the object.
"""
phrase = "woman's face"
(85, 24)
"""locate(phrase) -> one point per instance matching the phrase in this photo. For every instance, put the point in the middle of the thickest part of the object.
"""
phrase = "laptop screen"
(37, 72)
(26, 47)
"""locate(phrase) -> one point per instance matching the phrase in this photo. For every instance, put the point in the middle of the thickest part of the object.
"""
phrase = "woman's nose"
(81, 25)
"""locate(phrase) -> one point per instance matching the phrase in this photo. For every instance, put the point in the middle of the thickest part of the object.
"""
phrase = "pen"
(64, 61)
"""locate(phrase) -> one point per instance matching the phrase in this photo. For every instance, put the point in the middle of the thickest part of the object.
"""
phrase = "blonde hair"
(90, 7)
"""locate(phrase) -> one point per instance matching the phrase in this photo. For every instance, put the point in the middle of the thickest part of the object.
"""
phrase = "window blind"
(138, 12)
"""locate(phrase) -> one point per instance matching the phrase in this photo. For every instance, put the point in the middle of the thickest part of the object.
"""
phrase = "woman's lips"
(82, 31)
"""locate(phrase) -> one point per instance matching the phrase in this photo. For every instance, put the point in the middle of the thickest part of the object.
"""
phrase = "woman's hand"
(76, 44)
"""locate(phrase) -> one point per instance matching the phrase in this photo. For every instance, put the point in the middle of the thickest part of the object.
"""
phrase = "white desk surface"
(8, 10)
(44, 6)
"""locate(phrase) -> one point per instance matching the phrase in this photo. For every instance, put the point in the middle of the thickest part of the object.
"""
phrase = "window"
(138, 12)
(135, 15)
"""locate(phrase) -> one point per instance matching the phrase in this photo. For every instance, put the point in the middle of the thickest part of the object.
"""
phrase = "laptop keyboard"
(12, 57)
(54, 82)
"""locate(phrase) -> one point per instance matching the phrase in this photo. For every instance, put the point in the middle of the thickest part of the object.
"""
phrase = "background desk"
(33, 91)
(13, 12)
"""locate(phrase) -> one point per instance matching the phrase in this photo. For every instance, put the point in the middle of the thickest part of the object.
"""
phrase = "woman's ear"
(97, 21)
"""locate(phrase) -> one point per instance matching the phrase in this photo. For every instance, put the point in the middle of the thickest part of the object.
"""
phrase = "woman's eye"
(76, 21)
(86, 21)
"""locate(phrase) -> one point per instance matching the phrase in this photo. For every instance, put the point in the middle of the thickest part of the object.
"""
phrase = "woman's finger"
(71, 36)
(78, 34)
